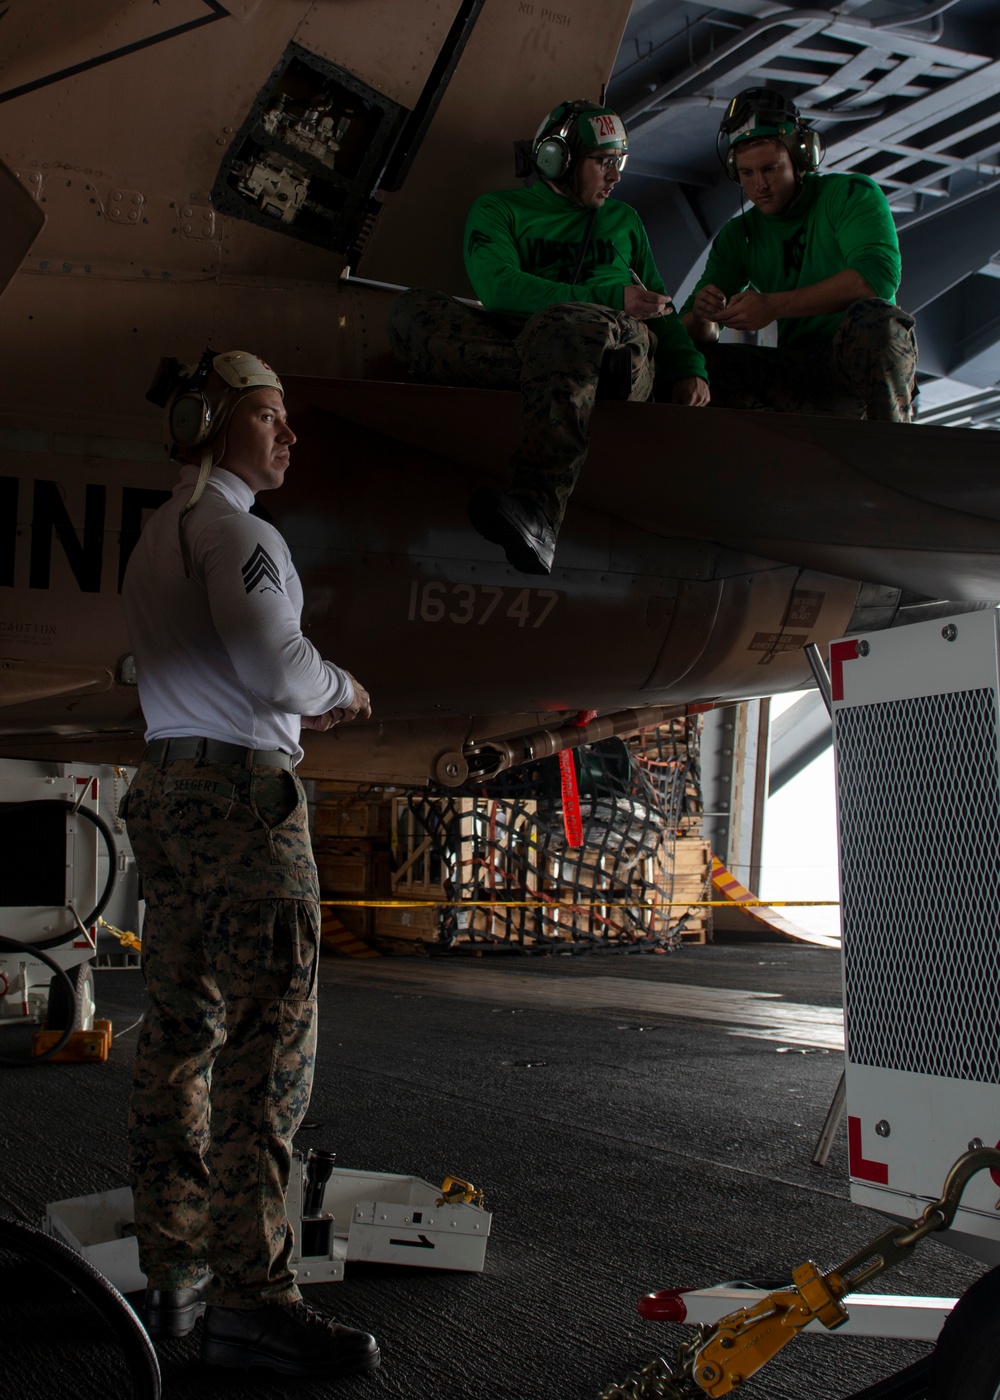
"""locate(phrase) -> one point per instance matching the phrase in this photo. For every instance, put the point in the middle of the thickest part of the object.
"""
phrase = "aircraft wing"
(911, 507)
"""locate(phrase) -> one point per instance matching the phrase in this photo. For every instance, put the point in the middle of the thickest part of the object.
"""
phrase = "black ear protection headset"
(191, 413)
(551, 151)
(764, 113)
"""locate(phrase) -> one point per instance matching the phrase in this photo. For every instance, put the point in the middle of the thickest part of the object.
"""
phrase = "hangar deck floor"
(635, 1123)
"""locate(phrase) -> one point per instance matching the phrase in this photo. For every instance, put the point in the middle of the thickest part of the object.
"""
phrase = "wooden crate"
(343, 874)
(417, 867)
(421, 869)
(420, 925)
(355, 872)
(341, 817)
(478, 922)
(689, 861)
(344, 846)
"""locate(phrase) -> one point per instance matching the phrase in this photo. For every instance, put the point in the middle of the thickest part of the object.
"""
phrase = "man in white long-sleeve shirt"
(217, 819)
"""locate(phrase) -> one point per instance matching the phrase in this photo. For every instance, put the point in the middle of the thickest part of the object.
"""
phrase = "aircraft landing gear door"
(918, 795)
(323, 143)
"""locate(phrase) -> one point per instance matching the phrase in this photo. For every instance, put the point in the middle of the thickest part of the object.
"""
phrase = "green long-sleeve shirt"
(521, 250)
(836, 222)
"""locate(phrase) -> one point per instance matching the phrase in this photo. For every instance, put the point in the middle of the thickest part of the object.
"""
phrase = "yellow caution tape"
(581, 903)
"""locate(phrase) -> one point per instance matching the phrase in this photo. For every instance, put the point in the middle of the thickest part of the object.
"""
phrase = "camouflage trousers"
(554, 358)
(868, 370)
(224, 1065)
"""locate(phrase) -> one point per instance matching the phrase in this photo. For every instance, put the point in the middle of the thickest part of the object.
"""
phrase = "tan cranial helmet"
(198, 400)
(241, 370)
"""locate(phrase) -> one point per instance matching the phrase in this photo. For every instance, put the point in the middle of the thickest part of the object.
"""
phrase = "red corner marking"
(839, 653)
(859, 1165)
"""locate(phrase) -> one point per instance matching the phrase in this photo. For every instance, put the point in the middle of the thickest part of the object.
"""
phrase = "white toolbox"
(377, 1218)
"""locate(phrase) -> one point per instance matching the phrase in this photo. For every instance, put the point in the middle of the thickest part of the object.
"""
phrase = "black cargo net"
(503, 848)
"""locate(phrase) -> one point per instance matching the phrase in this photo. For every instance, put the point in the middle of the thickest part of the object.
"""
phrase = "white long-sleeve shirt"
(221, 654)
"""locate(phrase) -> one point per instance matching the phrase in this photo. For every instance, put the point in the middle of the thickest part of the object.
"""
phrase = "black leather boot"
(172, 1312)
(516, 523)
(288, 1337)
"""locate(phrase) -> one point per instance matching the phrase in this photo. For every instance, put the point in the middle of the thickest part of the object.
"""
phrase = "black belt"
(216, 751)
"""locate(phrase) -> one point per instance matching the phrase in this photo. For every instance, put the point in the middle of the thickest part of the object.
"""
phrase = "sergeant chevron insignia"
(260, 568)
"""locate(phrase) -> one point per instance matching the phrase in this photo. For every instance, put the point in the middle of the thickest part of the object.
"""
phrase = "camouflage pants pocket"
(874, 353)
(273, 934)
(277, 800)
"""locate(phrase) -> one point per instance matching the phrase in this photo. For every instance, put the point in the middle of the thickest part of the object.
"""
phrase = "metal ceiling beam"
(940, 250)
(798, 735)
(975, 357)
(734, 755)
(676, 174)
(918, 55)
(965, 410)
(902, 127)
(803, 22)
(944, 61)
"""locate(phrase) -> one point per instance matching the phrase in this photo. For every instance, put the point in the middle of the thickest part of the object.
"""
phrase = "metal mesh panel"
(919, 793)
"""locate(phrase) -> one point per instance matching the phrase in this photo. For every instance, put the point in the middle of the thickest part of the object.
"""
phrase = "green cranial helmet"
(765, 114)
(572, 131)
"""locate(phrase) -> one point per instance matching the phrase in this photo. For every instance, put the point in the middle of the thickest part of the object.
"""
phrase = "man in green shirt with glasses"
(573, 305)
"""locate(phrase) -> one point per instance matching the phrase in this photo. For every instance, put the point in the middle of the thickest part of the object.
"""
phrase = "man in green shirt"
(818, 254)
(565, 275)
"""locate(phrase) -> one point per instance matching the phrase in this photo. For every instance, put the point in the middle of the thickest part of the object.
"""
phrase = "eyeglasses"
(609, 163)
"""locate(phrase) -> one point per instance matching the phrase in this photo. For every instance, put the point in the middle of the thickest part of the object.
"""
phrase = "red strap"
(572, 819)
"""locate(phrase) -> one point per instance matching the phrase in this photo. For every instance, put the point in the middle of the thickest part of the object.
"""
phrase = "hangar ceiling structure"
(905, 92)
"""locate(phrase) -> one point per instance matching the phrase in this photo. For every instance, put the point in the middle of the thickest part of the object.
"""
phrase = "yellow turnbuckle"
(739, 1344)
(456, 1192)
(747, 1338)
(126, 939)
